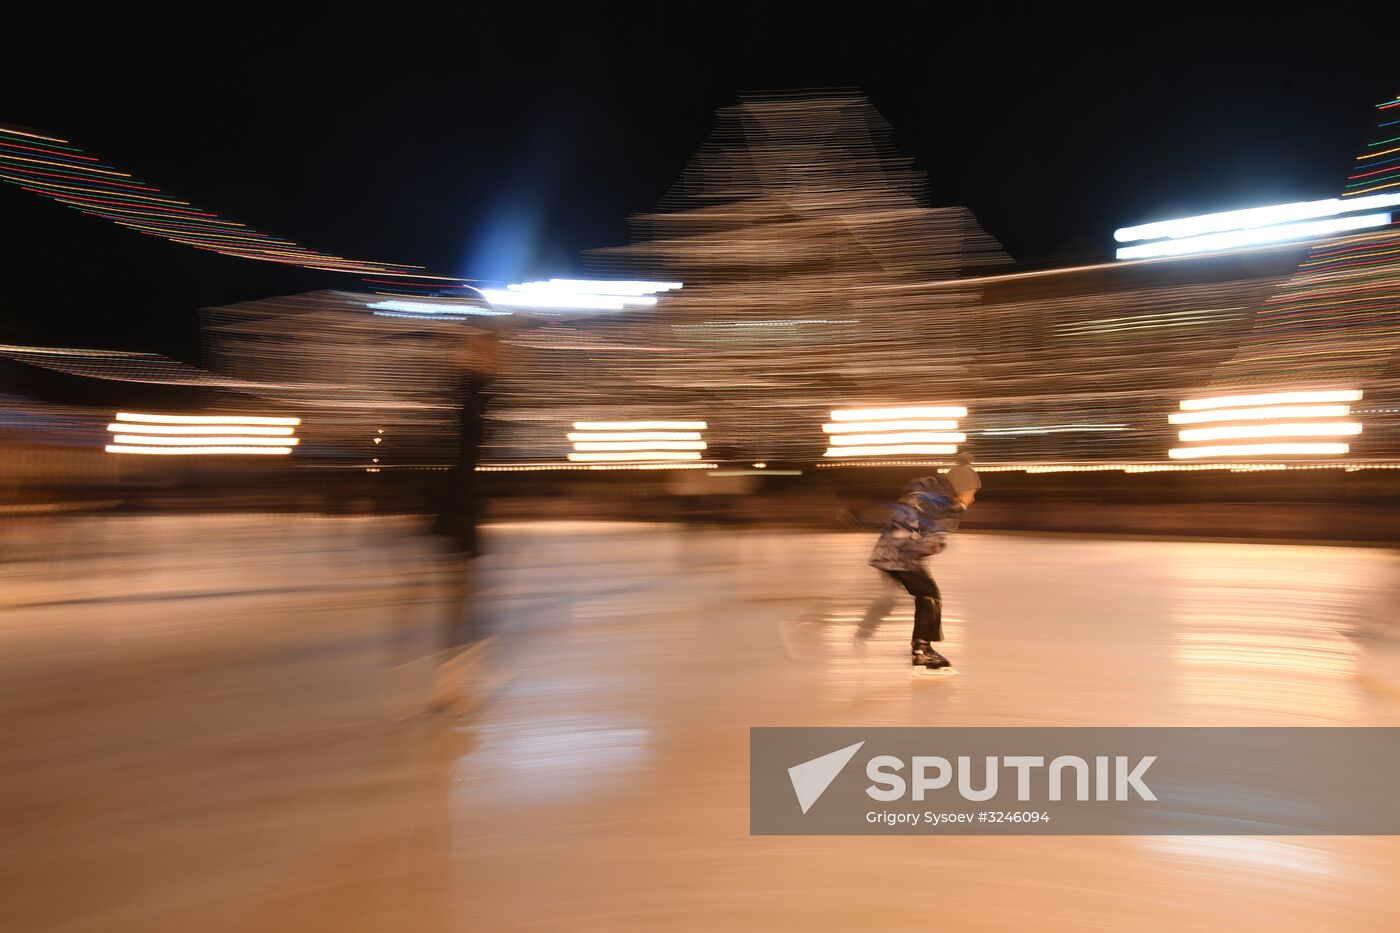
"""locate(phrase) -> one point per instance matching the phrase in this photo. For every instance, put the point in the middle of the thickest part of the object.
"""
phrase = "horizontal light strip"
(434, 308)
(204, 419)
(634, 436)
(1236, 239)
(852, 426)
(1252, 217)
(638, 445)
(1260, 414)
(881, 414)
(621, 457)
(405, 315)
(129, 449)
(554, 295)
(644, 466)
(1272, 398)
(1154, 467)
(509, 299)
(754, 473)
(562, 300)
(1053, 429)
(560, 467)
(188, 429)
(885, 451)
(920, 437)
(220, 441)
(639, 425)
(1336, 429)
(1257, 450)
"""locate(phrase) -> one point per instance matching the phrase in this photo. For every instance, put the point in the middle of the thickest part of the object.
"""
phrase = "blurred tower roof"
(788, 183)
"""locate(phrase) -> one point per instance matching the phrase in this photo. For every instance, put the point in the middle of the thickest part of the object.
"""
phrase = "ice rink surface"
(210, 725)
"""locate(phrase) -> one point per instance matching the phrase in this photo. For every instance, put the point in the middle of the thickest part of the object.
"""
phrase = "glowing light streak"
(428, 308)
(890, 450)
(912, 437)
(1248, 450)
(587, 446)
(188, 429)
(1238, 239)
(1251, 218)
(1259, 414)
(853, 426)
(881, 414)
(216, 440)
(1338, 429)
(1272, 398)
(1053, 429)
(568, 302)
(204, 419)
(634, 436)
(639, 425)
(129, 449)
(589, 457)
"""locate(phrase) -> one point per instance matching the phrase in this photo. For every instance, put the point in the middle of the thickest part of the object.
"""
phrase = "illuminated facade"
(816, 281)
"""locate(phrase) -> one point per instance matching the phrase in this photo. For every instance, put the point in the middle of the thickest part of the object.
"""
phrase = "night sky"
(497, 145)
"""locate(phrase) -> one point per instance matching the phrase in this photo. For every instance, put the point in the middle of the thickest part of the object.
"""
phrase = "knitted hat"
(962, 477)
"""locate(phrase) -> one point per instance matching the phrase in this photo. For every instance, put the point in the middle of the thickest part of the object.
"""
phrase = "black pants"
(928, 603)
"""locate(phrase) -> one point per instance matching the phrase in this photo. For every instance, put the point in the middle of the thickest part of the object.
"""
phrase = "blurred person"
(476, 360)
(458, 510)
(929, 510)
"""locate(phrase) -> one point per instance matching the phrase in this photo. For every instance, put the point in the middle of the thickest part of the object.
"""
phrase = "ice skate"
(929, 663)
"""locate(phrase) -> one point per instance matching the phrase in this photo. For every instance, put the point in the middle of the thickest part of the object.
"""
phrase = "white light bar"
(203, 419)
(639, 425)
(638, 445)
(434, 309)
(617, 457)
(1260, 414)
(188, 430)
(1252, 218)
(636, 441)
(1252, 450)
(893, 449)
(1323, 429)
(1257, 236)
(1275, 415)
(888, 432)
(634, 436)
(561, 302)
(850, 427)
(1053, 429)
(880, 414)
(176, 435)
(128, 449)
(579, 294)
(555, 299)
(206, 441)
(908, 437)
(1272, 398)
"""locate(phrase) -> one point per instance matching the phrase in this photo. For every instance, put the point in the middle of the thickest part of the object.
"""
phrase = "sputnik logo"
(810, 779)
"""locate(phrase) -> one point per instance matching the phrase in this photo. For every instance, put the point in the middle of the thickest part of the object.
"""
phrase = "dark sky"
(498, 144)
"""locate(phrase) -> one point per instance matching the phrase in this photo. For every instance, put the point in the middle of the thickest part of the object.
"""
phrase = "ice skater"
(929, 510)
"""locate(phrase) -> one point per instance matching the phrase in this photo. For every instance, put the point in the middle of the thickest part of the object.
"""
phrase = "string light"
(52, 168)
